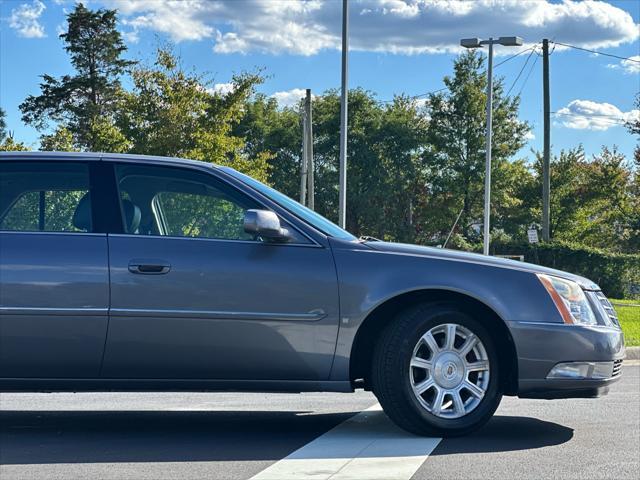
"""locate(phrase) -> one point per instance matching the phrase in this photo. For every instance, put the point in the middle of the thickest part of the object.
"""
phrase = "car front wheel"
(435, 371)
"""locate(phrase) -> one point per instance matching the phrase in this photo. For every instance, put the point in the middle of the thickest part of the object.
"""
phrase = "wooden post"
(546, 180)
(303, 162)
(308, 134)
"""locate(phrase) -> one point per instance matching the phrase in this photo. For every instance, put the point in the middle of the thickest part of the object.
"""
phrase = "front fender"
(368, 278)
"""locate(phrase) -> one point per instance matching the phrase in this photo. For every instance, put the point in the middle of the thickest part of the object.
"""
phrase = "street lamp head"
(470, 42)
(510, 41)
(506, 41)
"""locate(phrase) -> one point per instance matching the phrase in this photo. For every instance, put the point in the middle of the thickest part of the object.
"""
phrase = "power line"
(531, 49)
(520, 73)
(605, 115)
(415, 97)
(598, 53)
(515, 55)
(429, 93)
(610, 120)
(526, 79)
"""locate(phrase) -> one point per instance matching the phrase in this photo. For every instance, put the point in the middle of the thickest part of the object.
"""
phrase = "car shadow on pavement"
(49, 437)
(505, 433)
(41, 437)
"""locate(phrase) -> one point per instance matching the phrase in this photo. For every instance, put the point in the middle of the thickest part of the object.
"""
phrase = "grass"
(629, 317)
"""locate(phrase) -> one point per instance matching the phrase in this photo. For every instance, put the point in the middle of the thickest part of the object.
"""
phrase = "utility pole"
(303, 162)
(308, 135)
(475, 43)
(342, 196)
(546, 181)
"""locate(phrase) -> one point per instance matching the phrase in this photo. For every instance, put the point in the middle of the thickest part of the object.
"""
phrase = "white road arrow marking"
(366, 446)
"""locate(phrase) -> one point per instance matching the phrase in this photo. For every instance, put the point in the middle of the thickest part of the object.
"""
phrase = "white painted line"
(366, 446)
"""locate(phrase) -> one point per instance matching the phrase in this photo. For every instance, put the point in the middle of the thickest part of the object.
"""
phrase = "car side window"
(45, 197)
(178, 202)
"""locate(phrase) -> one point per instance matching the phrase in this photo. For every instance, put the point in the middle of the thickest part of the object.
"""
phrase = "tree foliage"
(7, 142)
(633, 126)
(274, 134)
(11, 145)
(61, 140)
(383, 152)
(78, 101)
(456, 151)
(3, 124)
(174, 112)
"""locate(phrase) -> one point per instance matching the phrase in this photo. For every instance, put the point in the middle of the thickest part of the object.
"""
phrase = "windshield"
(308, 215)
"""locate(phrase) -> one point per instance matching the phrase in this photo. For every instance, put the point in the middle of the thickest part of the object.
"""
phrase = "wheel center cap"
(448, 370)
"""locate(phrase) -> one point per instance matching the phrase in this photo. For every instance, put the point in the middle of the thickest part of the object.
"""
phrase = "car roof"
(97, 156)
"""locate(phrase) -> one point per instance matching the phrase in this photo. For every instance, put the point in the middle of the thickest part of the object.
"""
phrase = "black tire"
(391, 380)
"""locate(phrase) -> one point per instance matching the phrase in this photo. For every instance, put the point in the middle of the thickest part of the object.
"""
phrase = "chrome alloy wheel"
(449, 371)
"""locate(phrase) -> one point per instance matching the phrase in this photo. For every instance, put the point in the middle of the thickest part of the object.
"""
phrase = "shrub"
(617, 274)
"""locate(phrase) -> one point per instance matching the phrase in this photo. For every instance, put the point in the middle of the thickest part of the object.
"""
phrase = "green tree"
(3, 124)
(59, 141)
(91, 94)
(455, 153)
(275, 133)
(107, 137)
(400, 142)
(7, 142)
(633, 126)
(365, 191)
(383, 149)
(173, 112)
(10, 145)
(593, 201)
(514, 194)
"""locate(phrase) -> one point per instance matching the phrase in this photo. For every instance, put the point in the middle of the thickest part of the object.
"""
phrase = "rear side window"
(45, 197)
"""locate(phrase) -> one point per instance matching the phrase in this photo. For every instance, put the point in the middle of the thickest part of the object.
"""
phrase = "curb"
(633, 353)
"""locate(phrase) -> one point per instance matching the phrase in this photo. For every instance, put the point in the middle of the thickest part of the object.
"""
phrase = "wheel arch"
(371, 327)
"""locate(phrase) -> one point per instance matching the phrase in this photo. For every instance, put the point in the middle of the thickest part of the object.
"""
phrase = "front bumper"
(542, 346)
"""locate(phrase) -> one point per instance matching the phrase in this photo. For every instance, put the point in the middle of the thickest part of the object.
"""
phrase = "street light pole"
(475, 43)
(487, 167)
(342, 195)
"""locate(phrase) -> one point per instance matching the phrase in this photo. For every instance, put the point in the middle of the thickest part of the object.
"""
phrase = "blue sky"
(399, 46)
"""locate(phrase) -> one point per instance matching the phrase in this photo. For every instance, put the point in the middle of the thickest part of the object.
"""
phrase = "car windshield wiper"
(367, 238)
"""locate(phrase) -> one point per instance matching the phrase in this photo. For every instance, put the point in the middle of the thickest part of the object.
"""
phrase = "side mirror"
(265, 224)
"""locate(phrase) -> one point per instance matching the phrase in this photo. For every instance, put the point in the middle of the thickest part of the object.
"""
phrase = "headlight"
(570, 300)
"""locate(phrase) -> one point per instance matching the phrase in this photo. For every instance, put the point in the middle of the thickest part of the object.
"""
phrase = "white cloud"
(421, 102)
(131, 36)
(25, 19)
(630, 66)
(590, 115)
(306, 27)
(290, 98)
(180, 19)
(529, 136)
(61, 28)
(221, 88)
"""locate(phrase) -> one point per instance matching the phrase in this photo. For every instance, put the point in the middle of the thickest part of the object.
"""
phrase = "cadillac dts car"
(153, 274)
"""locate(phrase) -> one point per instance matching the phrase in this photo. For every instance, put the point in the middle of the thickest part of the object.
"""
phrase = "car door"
(54, 288)
(195, 297)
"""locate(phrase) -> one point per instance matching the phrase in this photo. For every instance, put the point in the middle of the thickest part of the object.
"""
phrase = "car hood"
(458, 256)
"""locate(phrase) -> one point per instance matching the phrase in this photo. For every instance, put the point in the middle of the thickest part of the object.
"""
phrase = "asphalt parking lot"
(239, 436)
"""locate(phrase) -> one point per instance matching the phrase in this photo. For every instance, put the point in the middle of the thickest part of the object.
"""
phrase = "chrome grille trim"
(607, 307)
(617, 368)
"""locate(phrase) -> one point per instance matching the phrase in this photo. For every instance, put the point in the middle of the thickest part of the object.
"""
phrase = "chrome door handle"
(149, 267)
